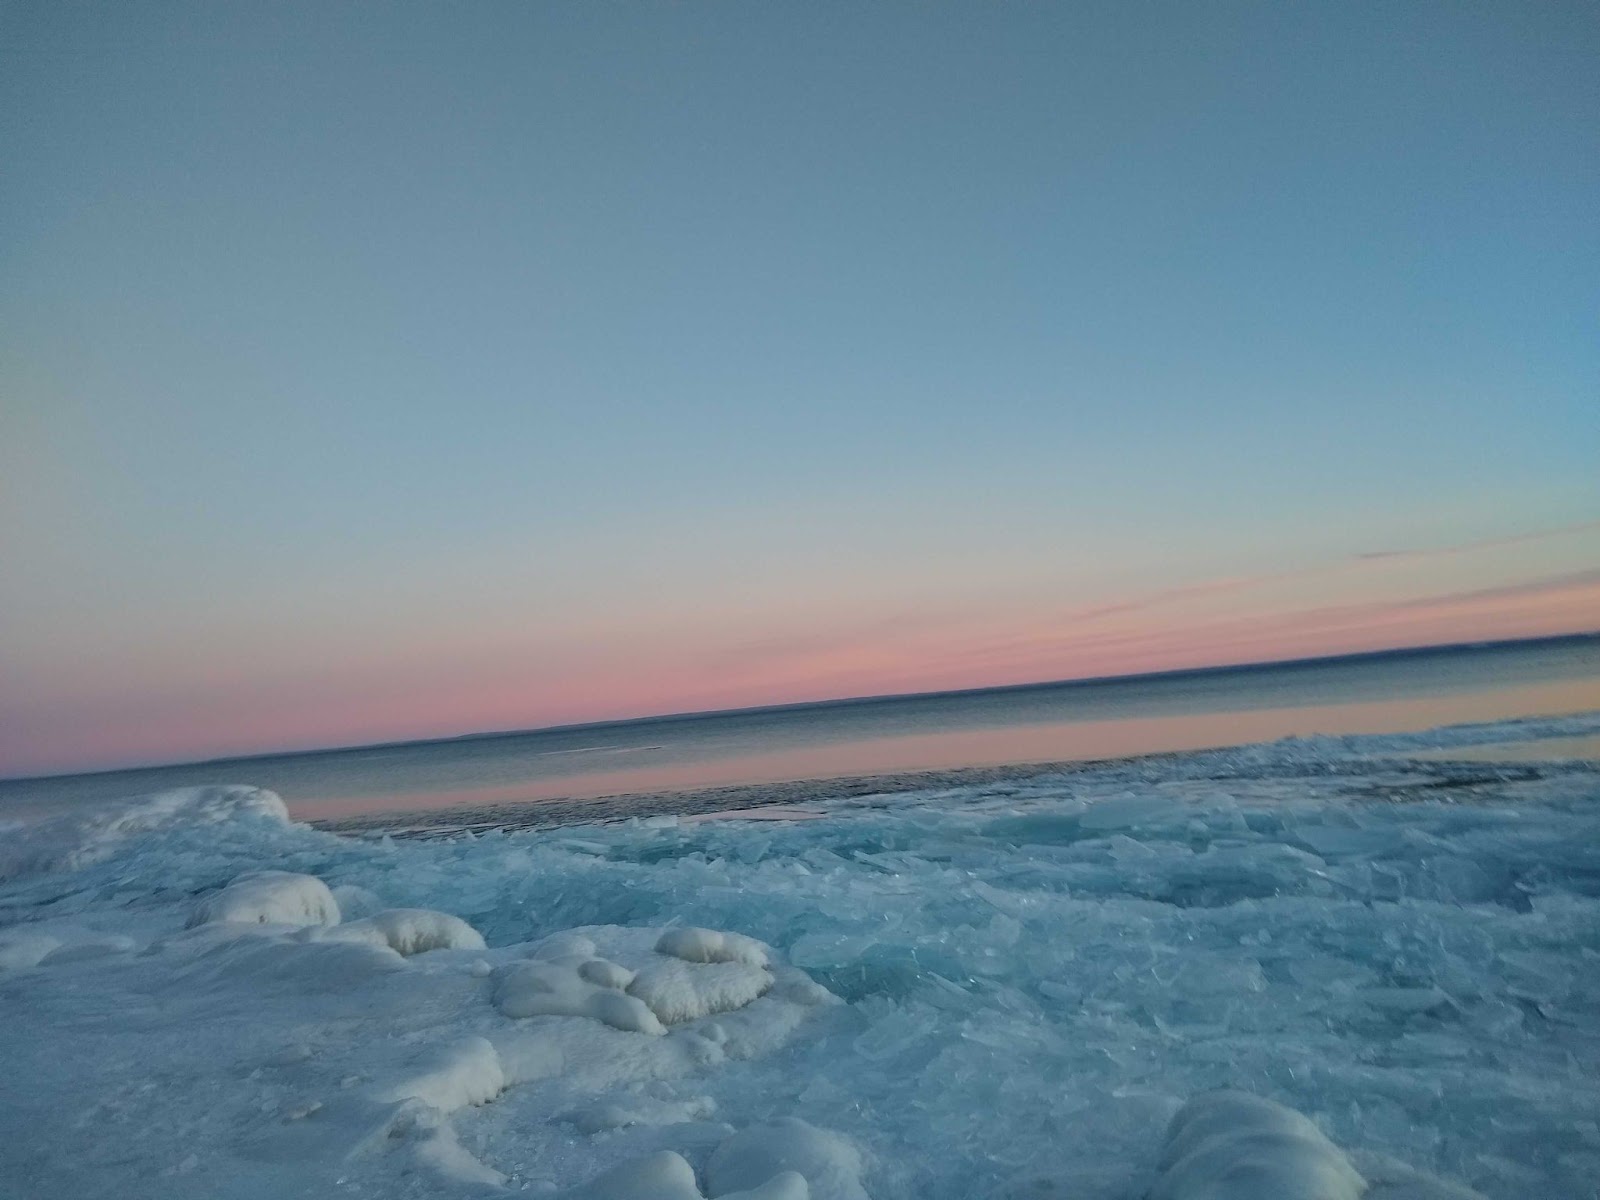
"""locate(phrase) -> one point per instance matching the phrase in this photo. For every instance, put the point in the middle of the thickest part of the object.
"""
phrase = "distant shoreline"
(1086, 682)
(1528, 758)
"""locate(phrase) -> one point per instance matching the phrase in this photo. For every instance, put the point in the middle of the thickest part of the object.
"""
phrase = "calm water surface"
(894, 736)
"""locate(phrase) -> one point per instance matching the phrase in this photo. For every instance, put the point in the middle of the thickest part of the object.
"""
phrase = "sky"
(373, 371)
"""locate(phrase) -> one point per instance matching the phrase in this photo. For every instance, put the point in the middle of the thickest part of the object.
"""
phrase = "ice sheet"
(1003, 990)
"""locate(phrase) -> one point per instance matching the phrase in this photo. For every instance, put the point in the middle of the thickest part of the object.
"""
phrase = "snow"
(451, 1077)
(79, 838)
(1235, 1146)
(561, 989)
(829, 1163)
(711, 946)
(269, 898)
(677, 991)
(1335, 965)
(19, 949)
(409, 931)
(1228, 1145)
(668, 1176)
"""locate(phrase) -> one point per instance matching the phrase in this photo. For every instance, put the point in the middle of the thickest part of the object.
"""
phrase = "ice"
(20, 948)
(269, 898)
(663, 1176)
(667, 1176)
(409, 931)
(98, 947)
(830, 1165)
(451, 1077)
(564, 988)
(678, 991)
(640, 1110)
(1234, 1146)
(998, 991)
(712, 946)
(79, 838)
(267, 964)
(1229, 1145)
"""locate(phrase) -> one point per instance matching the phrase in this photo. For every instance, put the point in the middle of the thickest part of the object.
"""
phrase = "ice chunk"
(677, 990)
(829, 1163)
(451, 1077)
(356, 902)
(532, 988)
(409, 931)
(1235, 1146)
(1131, 812)
(711, 946)
(269, 898)
(77, 839)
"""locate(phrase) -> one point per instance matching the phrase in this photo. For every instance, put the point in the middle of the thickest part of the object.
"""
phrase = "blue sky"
(381, 370)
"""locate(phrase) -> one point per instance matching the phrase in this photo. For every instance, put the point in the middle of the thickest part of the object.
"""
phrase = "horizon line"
(830, 702)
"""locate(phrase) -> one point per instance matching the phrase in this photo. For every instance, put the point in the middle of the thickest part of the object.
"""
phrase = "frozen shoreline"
(1000, 989)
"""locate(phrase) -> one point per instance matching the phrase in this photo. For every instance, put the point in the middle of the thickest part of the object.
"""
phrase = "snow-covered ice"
(1319, 968)
(269, 898)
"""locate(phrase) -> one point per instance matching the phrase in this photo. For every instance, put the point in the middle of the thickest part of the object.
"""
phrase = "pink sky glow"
(1355, 605)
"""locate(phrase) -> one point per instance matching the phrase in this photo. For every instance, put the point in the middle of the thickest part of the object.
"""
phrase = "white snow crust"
(1227, 1144)
(409, 931)
(1330, 970)
(828, 1162)
(269, 898)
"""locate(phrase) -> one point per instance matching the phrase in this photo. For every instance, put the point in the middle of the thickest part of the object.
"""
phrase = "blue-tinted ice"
(1036, 973)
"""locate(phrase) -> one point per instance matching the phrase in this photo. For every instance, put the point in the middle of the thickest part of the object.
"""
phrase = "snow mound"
(562, 988)
(269, 898)
(449, 1077)
(662, 1176)
(711, 946)
(409, 931)
(677, 990)
(828, 1164)
(1234, 1146)
(77, 839)
(668, 1176)
(566, 944)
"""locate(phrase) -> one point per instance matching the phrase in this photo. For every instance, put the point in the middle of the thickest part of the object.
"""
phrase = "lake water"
(736, 759)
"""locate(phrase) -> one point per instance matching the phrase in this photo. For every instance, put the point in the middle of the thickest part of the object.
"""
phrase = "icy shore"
(1005, 990)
